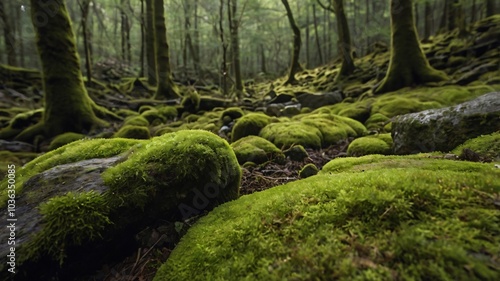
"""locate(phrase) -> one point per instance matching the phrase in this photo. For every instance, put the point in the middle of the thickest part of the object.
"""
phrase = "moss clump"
(374, 144)
(26, 119)
(169, 112)
(250, 124)
(136, 121)
(64, 139)
(233, 113)
(308, 170)
(191, 101)
(153, 116)
(398, 220)
(296, 153)
(391, 106)
(376, 121)
(83, 215)
(487, 146)
(287, 134)
(144, 108)
(126, 113)
(256, 149)
(133, 132)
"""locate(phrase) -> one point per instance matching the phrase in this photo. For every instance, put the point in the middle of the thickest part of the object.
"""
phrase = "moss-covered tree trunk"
(408, 65)
(166, 86)
(344, 43)
(235, 47)
(68, 108)
(8, 36)
(294, 65)
(150, 43)
(490, 8)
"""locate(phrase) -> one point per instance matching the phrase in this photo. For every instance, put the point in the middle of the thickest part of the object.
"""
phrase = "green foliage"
(133, 132)
(71, 219)
(487, 146)
(256, 149)
(397, 220)
(64, 139)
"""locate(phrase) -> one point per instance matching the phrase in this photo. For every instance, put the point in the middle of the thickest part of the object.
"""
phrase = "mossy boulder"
(444, 129)
(296, 153)
(391, 106)
(233, 113)
(287, 134)
(405, 218)
(250, 124)
(373, 144)
(317, 100)
(308, 170)
(133, 132)
(73, 216)
(376, 121)
(487, 146)
(191, 101)
(257, 150)
(64, 139)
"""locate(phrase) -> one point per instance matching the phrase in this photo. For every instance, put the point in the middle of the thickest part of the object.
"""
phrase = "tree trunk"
(262, 59)
(408, 65)
(490, 8)
(344, 45)
(143, 40)
(20, 17)
(473, 12)
(443, 24)
(294, 65)
(196, 45)
(166, 86)
(150, 43)
(68, 108)
(308, 23)
(235, 46)
(428, 20)
(318, 45)
(224, 49)
(84, 8)
(9, 38)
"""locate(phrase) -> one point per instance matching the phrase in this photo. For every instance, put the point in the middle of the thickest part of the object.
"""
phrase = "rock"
(250, 124)
(314, 101)
(282, 98)
(373, 144)
(274, 109)
(77, 205)
(308, 171)
(16, 146)
(296, 153)
(443, 129)
(257, 150)
(291, 110)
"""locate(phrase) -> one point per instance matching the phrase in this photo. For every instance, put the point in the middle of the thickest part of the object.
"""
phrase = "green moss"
(169, 112)
(256, 149)
(133, 132)
(26, 119)
(191, 101)
(233, 113)
(250, 124)
(15, 158)
(127, 112)
(83, 215)
(144, 108)
(308, 170)
(376, 121)
(137, 121)
(191, 118)
(487, 146)
(395, 221)
(296, 153)
(287, 134)
(374, 144)
(64, 139)
(165, 130)
(153, 116)
(391, 106)
(76, 151)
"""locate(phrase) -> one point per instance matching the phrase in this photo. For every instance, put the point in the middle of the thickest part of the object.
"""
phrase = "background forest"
(115, 31)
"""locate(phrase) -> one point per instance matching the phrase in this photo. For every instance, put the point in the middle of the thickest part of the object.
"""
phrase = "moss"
(191, 101)
(83, 215)
(26, 119)
(376, 121)
(127, 112)
(76, 151)
(191, 118)
(296, 153)
(374, 144)
(137, 121)
(233, 113)
(398, 220)
(165, 130)
(153, 116)
(64, 139)
(15, 158)
(391, 106)
(487, 146)
(133, 132)
(250, 124)
(169, 112)
(308, 170)
(256, 149)
(144, 108)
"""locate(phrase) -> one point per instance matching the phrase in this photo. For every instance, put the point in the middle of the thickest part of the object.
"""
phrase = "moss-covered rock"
(153, 116)
(250, 124)
(373, 144)
(376, 121)
(417, 219)
(391, 106)
(287, 134)
(257, 150)
(90, 206)
(191, 101)
(233, 113)
(296, 153)
(136, 121)
(308, 170)
(133, 132)
(64, 139)
(487, 146)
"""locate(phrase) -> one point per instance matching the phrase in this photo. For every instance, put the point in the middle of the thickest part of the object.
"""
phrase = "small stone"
(450, 156)
(308, 171)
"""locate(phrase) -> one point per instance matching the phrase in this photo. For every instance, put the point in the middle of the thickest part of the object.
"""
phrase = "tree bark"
(223, 81)
(143, 40)
(428, 20)
(84, 8)
(294, 65)
(408, 65)
(345, 48)
(490, 8)
(9, 38)
(68, 108)
(166, 86)
(235, 46)
(150, 43)
(318, 45)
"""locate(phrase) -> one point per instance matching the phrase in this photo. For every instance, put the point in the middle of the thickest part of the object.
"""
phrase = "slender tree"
(84, 8)
(235, 46)
(68, 108)
(408, 65)
(9, 37)
(294, 65)
(150, 43)
(166, 86)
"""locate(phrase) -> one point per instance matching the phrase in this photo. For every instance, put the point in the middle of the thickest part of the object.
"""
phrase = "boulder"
(79, 206)
(318, 100)
(443, 129)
